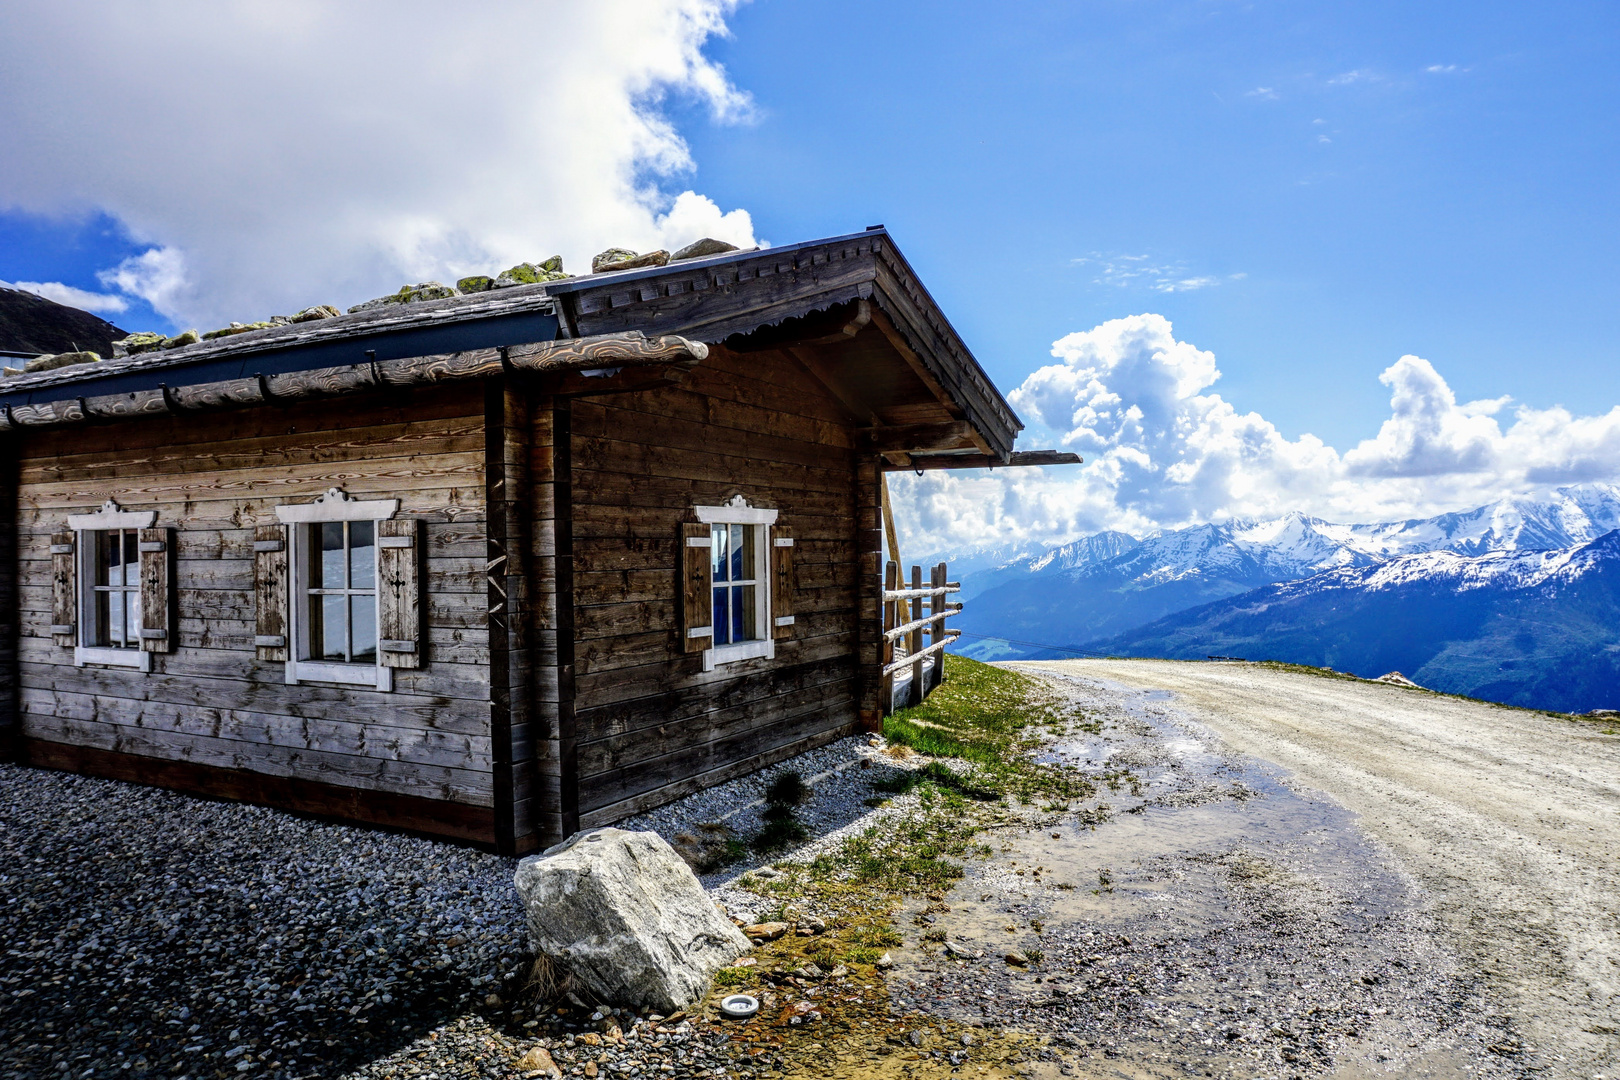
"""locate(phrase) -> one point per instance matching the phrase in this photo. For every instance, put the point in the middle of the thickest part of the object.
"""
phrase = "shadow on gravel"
(147, 933)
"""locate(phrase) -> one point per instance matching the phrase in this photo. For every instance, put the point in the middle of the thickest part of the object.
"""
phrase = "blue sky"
(1309, 192)
(1468, 215)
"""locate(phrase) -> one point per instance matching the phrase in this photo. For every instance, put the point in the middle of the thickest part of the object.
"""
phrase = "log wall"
(647, 723)
(210, 715)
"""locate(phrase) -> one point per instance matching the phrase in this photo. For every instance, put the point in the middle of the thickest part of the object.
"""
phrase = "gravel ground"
(151, 933)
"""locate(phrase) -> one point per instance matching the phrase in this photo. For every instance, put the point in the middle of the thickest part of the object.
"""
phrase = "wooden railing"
(904, 625)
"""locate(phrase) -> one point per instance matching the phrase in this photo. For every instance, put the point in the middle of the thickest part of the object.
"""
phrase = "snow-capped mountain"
(1532, 628)
(1110, 583)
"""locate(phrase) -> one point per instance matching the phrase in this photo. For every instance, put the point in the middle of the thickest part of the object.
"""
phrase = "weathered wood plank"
(157, 590)
(270, 584)
(399, 601)
(64, 612)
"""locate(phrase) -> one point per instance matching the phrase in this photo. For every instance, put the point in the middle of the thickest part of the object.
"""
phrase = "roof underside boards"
(903, 363)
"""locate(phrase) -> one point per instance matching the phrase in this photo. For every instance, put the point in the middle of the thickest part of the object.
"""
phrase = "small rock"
(813, 925)
(60, 360)
(1017, 959)
(590, 1068)
(914, 1037)
(144, 341)
(475, 283)
(769, 931)
(968, 1040)
(181, 340)
(409, 294)
(234, 329)
(319, 311)
(625, 259)
(698, 249)
(530, 274)
(1395, 678)
(885, 962)
(538, 1058)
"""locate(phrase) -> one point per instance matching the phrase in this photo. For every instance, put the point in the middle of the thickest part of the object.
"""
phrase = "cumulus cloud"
(83, 299)
(311, 151)
(1163, 450)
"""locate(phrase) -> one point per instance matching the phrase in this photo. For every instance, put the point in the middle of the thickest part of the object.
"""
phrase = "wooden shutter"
(399, 600)
(697, 588)
(157, 591)
(270, 592)
(64, 615)
(782, 583)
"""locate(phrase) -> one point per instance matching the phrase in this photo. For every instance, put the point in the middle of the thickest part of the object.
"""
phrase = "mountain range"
(1506, 601)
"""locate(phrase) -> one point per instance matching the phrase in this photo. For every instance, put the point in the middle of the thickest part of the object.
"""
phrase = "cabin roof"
(848, 308)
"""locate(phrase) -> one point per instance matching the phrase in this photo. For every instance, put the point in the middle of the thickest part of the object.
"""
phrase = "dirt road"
(1510, 821)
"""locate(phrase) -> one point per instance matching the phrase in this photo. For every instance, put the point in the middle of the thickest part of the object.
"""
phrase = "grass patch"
(991, 718)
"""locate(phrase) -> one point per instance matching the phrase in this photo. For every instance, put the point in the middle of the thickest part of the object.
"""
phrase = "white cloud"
(1352, 77)
(321, 152)
(67, 294)
(157, 276)
(1442, 69)
(1141, 271)
(1162, 451)
(1264, 93)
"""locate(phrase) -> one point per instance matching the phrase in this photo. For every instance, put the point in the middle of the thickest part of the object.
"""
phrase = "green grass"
(990, 717)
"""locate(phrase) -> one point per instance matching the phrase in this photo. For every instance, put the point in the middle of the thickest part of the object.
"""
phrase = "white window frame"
(111, 516)
(335, 505)
(738, 512)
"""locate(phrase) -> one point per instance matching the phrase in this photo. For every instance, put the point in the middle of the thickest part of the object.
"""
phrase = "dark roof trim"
(587, 355)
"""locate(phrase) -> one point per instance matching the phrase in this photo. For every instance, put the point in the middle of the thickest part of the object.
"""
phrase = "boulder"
(1395, 678)
(181, 340)
(625, 259)
(699, 248)
(319, 311)
(626, 918)
(475, 283)
(59, 360)
(145, 341)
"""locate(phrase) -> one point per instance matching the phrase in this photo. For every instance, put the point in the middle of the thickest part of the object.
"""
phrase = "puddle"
(1219, 921)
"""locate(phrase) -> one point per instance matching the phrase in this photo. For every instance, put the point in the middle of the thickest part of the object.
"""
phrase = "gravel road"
(1508, 819)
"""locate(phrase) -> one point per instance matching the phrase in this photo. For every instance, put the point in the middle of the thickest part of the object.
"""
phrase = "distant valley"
(1516, 601)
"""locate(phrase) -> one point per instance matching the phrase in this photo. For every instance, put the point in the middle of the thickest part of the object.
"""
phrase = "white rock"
(626, 917)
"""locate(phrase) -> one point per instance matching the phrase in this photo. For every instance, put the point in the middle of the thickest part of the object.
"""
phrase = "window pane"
(362, 564)
(328, 627)
(107, 557)
(742, 553)
(132, 557)
(110, 627)
(326, 570)
(363, 624)
(742, 613)
(718, 541)
(722, 623)
(132, 614)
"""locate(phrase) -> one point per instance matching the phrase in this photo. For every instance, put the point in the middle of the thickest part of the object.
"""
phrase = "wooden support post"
(870, 707)
(891, 580)
(10, 712)
(936, 630)
(917, 692)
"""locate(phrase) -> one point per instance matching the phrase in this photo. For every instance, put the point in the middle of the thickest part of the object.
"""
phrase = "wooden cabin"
(494, 567)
